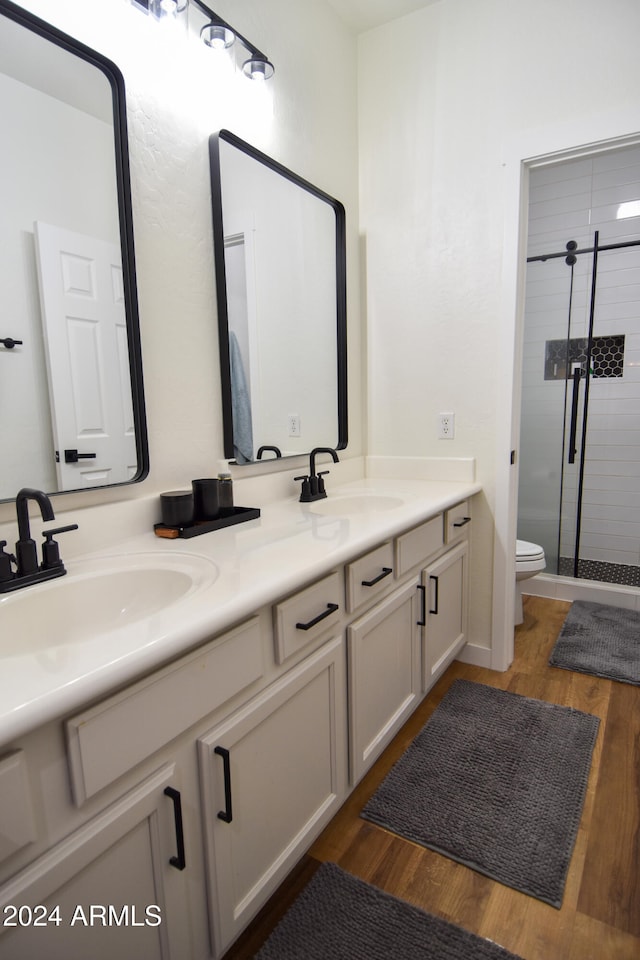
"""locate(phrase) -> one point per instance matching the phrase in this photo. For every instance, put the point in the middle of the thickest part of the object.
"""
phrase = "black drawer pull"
(178, 861)
(227, 813)
(436, 580)
(422, 622)
(331, 608)
(385, 573)
(461, 523)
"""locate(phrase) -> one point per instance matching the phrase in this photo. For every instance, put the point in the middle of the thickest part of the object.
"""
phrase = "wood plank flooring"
(600, 915)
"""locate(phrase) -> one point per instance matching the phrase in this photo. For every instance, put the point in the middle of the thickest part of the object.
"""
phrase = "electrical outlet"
(294, 425)
(446, 426)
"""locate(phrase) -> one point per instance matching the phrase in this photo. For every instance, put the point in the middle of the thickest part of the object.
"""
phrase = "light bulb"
(217, 36)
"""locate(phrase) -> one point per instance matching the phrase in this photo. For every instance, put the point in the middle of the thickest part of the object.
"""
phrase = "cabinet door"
(273, 775)
(384, 675)
(445, 628)
(107, 891)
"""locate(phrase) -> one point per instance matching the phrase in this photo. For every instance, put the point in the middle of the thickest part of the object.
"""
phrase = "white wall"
(305, 118)
(452, 99)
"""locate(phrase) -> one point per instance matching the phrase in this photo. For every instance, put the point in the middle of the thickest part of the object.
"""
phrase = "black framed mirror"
(72, 412)
(280, 262)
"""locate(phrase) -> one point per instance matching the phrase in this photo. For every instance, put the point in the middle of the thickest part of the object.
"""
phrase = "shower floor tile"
(600, 570)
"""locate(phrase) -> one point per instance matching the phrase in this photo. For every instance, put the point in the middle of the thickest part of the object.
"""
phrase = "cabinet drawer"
(369, 576)
(300, 619)
(418, 544)
(159, 708)
(16, 813)
(456, 522)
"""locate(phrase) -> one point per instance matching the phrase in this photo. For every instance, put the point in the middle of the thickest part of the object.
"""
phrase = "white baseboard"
(567, 588)
(475, 655)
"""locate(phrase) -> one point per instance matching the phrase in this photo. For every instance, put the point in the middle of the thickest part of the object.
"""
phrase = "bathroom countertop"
(243, 568)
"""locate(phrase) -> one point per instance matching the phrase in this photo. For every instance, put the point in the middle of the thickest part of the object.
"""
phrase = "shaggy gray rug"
(496, 781)
(601, 640)
(340, 917)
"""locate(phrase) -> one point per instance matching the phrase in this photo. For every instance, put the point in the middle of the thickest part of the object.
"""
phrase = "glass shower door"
(551, 422)
(607, 546)
(580, 429)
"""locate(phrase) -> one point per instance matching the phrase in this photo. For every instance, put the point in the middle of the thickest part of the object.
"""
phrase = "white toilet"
(529, 561)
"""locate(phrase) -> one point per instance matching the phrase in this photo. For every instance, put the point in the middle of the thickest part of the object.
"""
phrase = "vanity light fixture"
(258, 67)
(217, 36)
(216, 33)
(161, 8)
(221, 35)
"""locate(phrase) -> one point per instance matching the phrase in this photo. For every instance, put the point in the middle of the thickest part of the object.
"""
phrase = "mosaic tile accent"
(623, 573)
(607, 356)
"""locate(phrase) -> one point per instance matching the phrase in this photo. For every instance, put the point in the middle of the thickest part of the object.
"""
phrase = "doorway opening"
(579, 480)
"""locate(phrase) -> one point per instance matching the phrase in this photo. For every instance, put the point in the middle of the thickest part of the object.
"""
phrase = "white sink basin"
(96, 597)
(355, 504)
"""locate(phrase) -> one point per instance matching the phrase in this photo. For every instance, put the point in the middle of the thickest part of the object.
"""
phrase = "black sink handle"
(50, 550)
(56, 530)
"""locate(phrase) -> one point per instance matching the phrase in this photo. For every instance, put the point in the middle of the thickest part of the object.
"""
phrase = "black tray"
(239, 515)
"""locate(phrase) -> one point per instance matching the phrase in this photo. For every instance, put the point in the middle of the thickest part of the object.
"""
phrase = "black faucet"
(26, 553)
(28, 570)
(276, 450)
(313, 485)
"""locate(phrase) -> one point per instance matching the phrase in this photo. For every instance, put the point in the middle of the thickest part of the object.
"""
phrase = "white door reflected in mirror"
(85, 334)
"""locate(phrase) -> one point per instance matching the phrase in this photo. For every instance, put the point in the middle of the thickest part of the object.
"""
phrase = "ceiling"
(365, 14)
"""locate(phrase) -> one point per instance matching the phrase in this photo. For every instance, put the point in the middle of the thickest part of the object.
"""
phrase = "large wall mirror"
(71, 394)
(280, 278)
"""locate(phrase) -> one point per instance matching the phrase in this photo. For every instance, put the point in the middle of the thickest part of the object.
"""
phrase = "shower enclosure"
(579, 487)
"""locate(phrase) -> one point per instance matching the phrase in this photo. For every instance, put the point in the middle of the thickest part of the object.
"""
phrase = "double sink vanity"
(180, 719)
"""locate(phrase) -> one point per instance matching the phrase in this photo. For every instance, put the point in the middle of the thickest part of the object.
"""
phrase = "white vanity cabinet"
(273, 774)
(116, 851)
(107, 890)
(445, 586)
(399, 646)
(228, 761)
(384, 674)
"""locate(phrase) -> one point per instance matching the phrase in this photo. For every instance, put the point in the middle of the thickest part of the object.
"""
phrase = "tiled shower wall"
(570, 201)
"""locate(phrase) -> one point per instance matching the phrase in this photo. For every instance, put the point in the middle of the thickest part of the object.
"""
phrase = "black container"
(225, 494)
(176, 507)
(205, 499)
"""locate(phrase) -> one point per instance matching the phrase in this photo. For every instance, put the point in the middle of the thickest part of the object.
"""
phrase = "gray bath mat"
(340, 917)
(600, 640)
(495, 781)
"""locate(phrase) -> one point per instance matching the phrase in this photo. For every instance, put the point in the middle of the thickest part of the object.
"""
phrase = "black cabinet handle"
(436, 581)
(178, 861)
(9, 342)
(385, 573)
(227, 813)
(461, 523)
(331, 608)
(422, 622)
